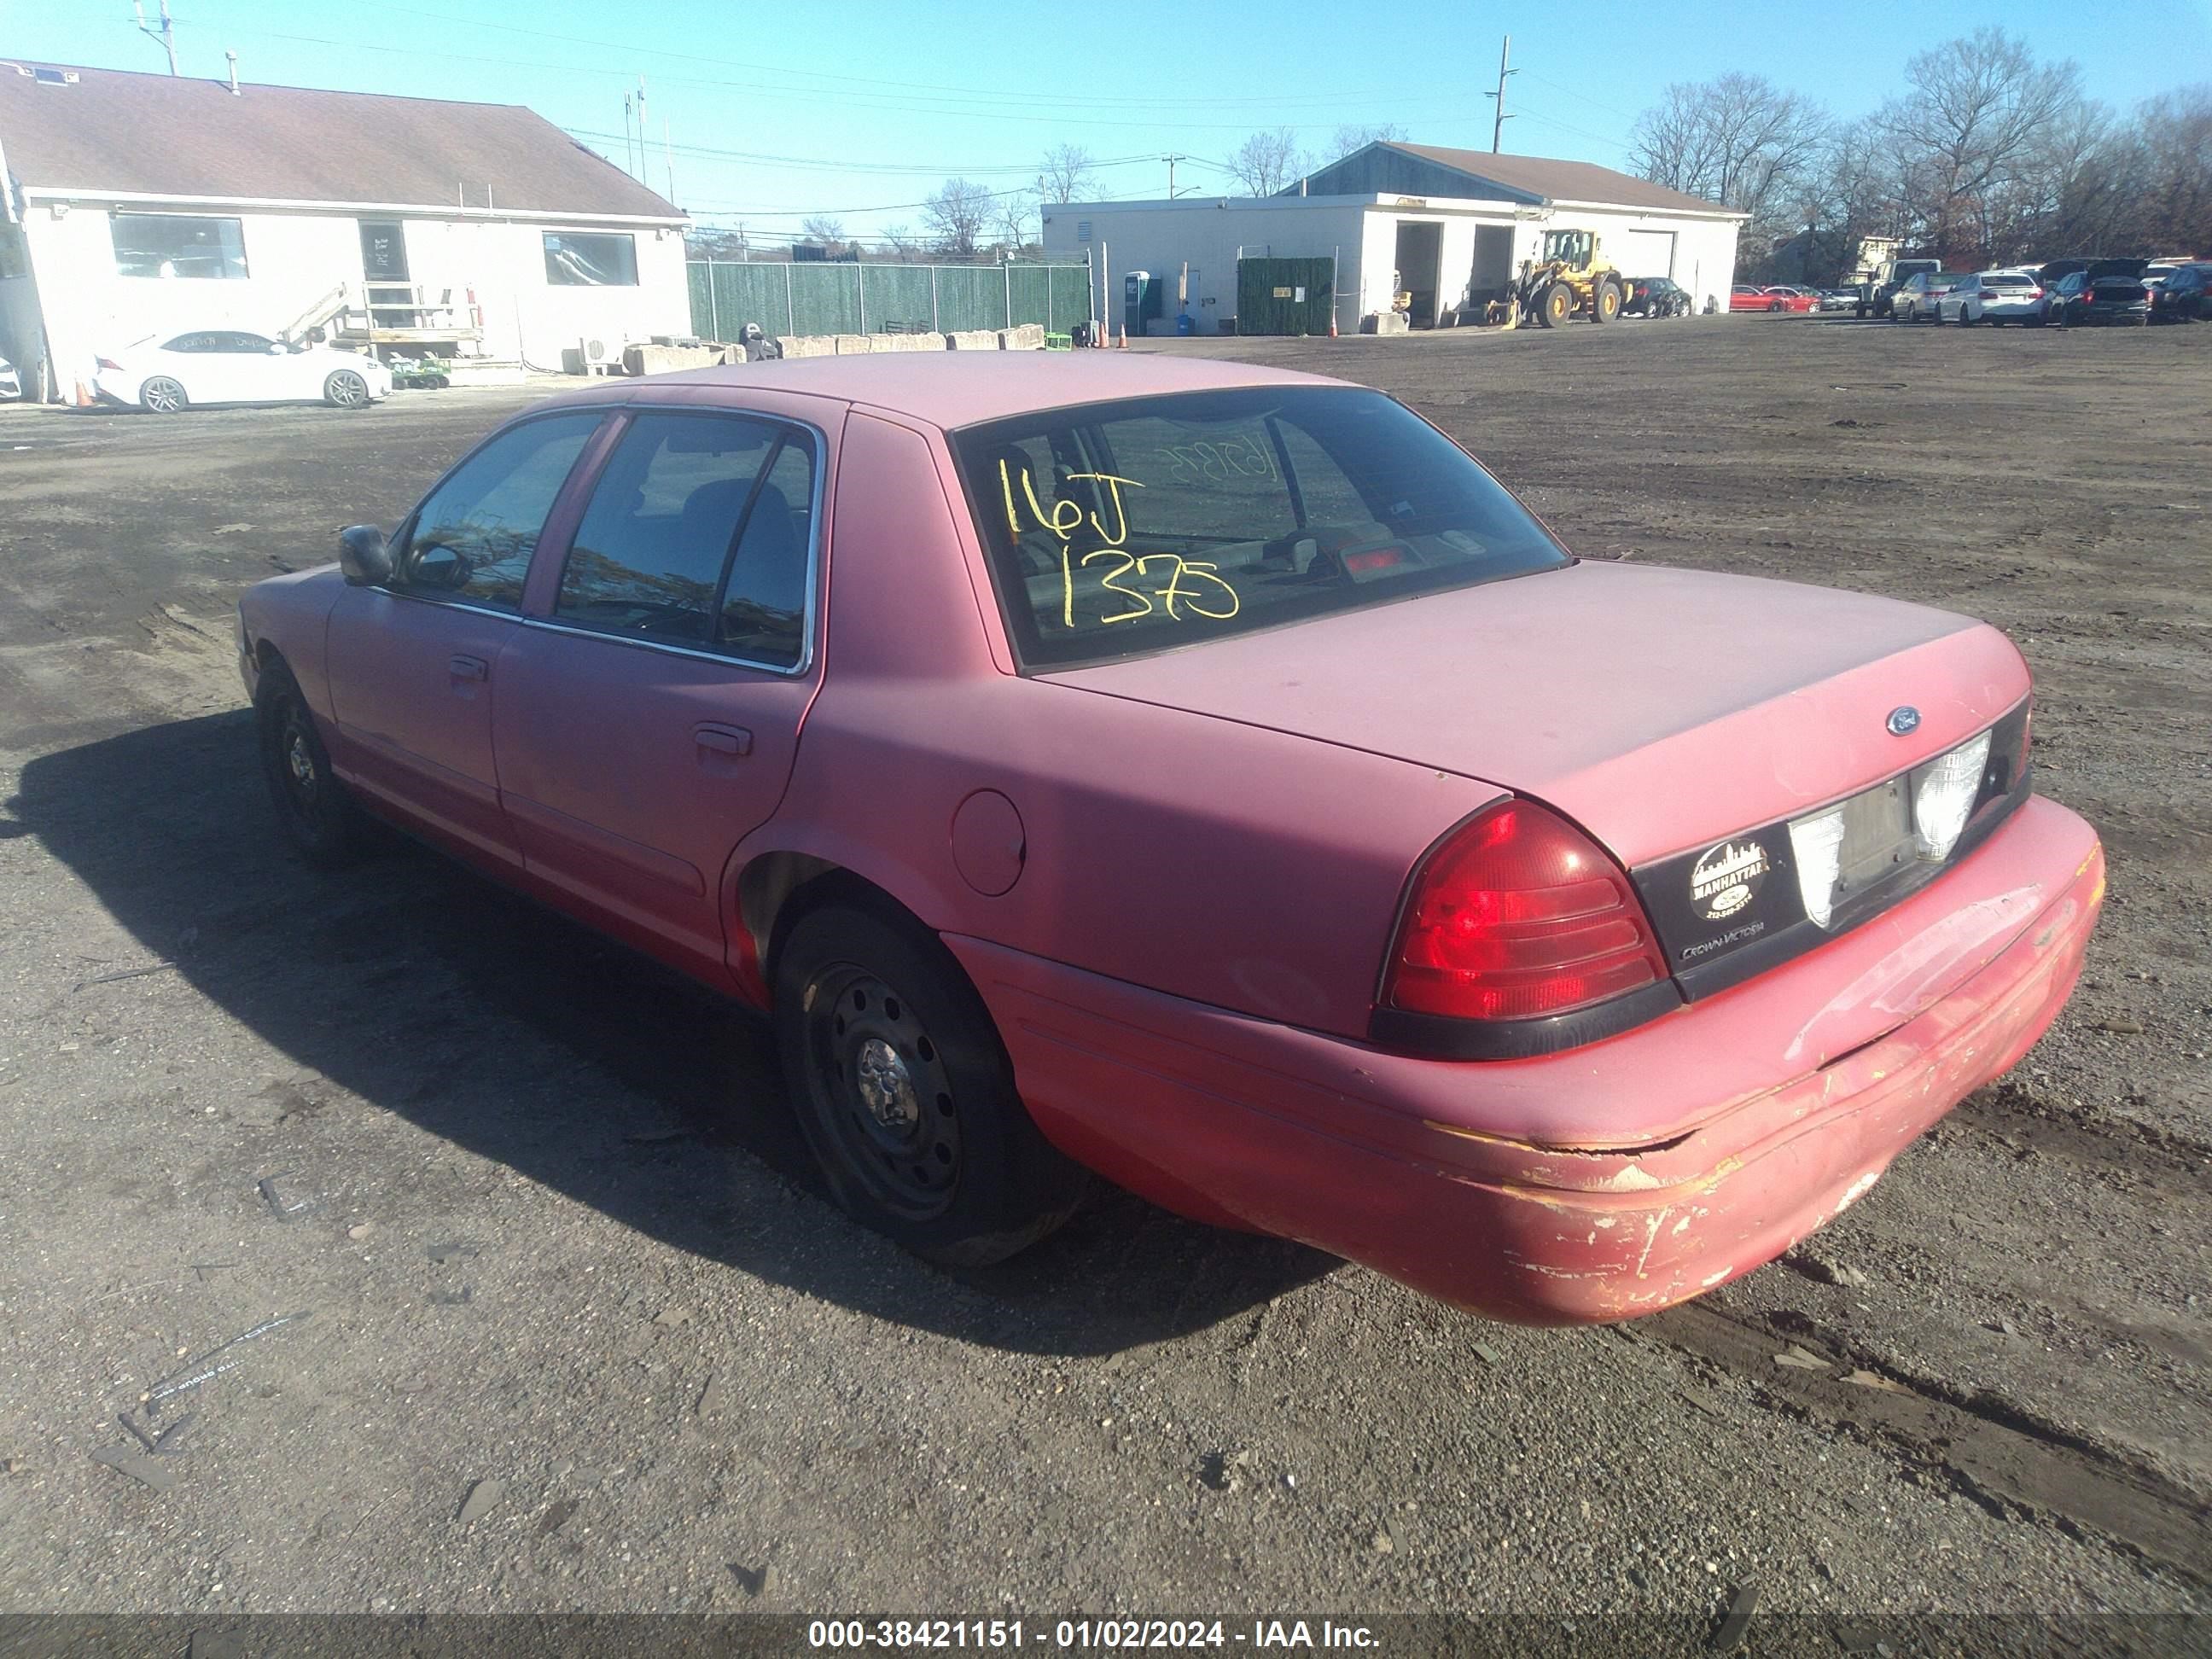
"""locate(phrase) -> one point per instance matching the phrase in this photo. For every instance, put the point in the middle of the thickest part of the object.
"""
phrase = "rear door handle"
(468, 668)
(724, 739)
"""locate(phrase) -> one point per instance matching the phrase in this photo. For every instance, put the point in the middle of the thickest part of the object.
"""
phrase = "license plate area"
(1878, 843)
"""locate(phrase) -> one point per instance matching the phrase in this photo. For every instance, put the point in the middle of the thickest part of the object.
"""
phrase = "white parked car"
(1993, 297)
(167, 373)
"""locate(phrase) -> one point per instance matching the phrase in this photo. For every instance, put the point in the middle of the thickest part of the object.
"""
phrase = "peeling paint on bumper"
(1589, 1186)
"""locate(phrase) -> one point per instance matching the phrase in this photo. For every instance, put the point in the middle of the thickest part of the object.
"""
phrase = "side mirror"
(364, 556)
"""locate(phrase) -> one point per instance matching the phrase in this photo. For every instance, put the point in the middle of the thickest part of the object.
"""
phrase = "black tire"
(905, 1094)
(163, 396)
(1860, 311)
(344, 389)
(1555, 304)
(1605, 302)
(318, 815)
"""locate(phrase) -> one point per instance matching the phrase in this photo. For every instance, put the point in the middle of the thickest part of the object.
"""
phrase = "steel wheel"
(346, 390)
(890, 1098)
(904, 1092)
(163, 395)
(318, 814)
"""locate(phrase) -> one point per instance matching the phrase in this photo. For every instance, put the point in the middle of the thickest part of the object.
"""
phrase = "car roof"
(953, 389)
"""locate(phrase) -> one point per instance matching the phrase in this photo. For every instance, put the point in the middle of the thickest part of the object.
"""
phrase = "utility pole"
(1171, 160)
(167, 34)
(1497, 126)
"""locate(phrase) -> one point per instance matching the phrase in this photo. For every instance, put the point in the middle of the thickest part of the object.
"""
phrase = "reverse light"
(1519, 916)
(1816, 847)
(1943, 795)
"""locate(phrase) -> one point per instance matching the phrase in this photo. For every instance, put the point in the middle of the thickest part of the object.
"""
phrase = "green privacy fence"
(830, 297)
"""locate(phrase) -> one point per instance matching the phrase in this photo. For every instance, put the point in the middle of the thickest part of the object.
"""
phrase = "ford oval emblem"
(1903, 720)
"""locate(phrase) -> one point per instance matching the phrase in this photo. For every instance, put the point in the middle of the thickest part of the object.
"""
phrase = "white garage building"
(1446, 225)
(135, 203)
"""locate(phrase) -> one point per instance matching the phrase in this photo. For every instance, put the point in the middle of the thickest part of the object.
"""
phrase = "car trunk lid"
(1663, 710)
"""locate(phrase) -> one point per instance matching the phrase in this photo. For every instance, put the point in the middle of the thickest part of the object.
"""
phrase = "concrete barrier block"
(972, 339)
(852, 345)
(810, 345)
(664, 359)
(1029, 336)
(1384, 322)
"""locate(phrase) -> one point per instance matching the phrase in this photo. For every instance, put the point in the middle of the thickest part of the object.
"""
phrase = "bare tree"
(1268, 161)
(826, 228)
(900, 240)
(957, 213)
(1739, 140)
(1014, 215)
(1970, 128)
(1347, 139)
(1070, 174)
(2177, 166)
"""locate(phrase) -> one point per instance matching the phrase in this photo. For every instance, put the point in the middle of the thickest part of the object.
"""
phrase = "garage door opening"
(1420, 258)
(1491, 277)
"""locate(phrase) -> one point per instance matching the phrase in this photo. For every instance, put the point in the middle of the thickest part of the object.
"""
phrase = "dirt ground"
(578, 1331)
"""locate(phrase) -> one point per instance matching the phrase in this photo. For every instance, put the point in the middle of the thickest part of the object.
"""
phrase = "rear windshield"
(1122, 528)
(2007, 279)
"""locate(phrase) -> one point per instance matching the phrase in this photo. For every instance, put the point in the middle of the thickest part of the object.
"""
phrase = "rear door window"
(698, 533)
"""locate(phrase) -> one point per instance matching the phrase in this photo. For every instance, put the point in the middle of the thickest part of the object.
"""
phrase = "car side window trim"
(588, 479)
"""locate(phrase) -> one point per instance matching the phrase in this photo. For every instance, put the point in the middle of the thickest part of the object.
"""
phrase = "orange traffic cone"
(84, 398)
(1332, 326)
(1123, 344)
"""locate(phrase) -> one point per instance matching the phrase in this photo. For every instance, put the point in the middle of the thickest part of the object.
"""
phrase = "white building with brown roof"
(1448, 226)
(136, 204)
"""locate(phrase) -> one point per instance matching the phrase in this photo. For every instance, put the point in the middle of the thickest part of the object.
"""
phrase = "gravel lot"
(581, 1334)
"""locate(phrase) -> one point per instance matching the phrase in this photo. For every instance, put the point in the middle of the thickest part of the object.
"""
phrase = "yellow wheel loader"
(1572, 279)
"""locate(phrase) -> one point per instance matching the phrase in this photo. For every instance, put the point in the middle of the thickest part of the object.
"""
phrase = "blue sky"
(861, 109)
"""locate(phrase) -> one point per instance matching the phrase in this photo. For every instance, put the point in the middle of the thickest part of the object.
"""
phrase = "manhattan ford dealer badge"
(1725, 879)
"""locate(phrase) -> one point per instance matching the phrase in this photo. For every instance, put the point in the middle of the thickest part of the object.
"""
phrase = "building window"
(178, 244)
(599, 261)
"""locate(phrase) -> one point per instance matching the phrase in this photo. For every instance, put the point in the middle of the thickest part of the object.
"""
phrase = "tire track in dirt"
(2003, 1458)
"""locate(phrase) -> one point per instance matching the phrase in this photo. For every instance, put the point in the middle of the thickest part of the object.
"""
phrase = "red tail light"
(109, 362)
(1519, 916)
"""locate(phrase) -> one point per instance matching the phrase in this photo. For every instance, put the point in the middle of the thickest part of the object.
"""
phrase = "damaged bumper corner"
(1595, 1185)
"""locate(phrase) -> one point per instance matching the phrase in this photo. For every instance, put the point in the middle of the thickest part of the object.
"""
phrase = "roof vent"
(54, 77)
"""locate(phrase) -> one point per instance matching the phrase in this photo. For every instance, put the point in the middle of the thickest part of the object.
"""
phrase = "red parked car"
(1214, 778)
(1745, 297)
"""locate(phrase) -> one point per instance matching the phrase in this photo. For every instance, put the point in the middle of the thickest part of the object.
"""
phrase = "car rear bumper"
(1589, 1186)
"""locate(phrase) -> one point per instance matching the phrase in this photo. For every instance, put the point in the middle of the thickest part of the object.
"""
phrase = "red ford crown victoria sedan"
(1213, 779)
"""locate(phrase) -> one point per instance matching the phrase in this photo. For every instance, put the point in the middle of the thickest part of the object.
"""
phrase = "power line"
(794, 77)
(710, 153)
(1066, 118)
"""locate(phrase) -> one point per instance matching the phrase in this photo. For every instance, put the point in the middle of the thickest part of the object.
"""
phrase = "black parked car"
(1657, 296)
(2185, 296)
(2103, 291)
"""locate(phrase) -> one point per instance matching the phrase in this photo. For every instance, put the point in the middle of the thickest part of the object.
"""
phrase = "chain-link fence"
(839, 297)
